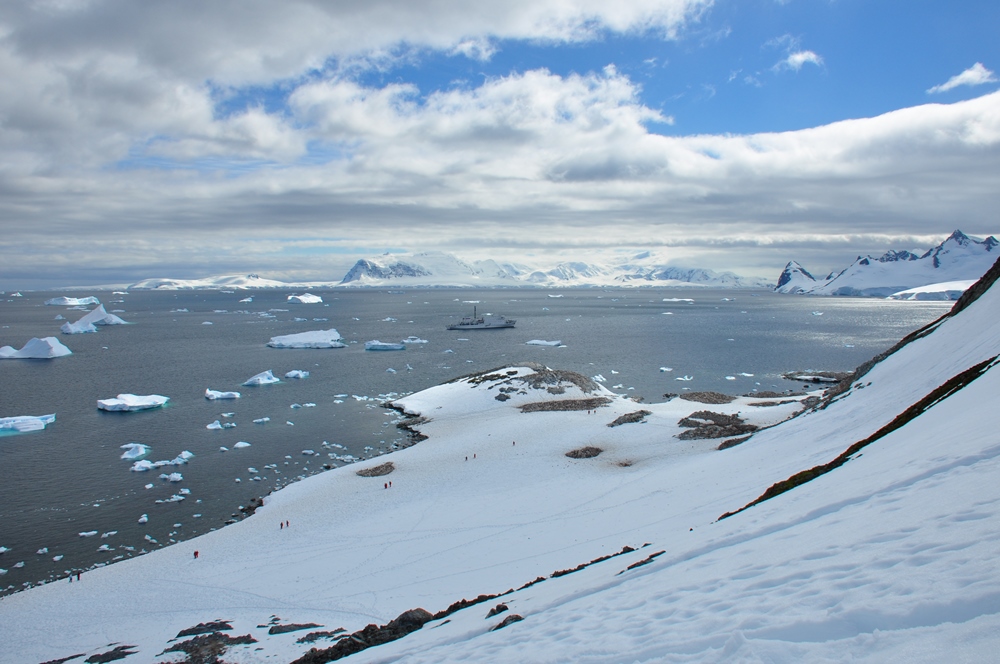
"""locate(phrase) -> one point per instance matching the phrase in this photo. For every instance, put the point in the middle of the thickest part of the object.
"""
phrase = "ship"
(477, 322)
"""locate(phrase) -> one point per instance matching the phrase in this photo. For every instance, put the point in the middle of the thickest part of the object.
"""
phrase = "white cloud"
(977, 74)
(796, 59)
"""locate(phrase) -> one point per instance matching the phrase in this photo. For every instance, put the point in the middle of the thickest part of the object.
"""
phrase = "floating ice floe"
(89, 533)
(241, 444)
(263, 378)
(730, 377)
(313, 339)
(390, 370)
(296, 373)
(145, 464)
(262, 420)
(817, 313)
(246, 299)
(745, 374)
(542, 342)
(305, 298)
(144, 518)
(383, 345)
(132, 402)
(4, 549)
(24, 423)
(666, 369)
(36, 349)
(42, 551)
(684, 378)
(207, 322)
(218, 425)
(213, 395)
(414, 340)
(134, 451)
(72, 301)
(87, 324)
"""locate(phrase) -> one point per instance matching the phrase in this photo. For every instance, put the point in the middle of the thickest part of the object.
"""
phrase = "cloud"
(798, 58)
(977, 74)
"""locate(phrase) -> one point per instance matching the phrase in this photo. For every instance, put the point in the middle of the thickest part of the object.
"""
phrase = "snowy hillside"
(959, 258)
(888, 554)
(440, 269)
(215, 283)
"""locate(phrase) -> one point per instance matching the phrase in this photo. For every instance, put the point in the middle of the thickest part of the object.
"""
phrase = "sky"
(187, 139)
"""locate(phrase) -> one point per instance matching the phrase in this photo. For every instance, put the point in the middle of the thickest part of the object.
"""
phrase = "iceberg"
(383, 345)
(72, 301)
(305, 298)
(36, 349)
(25, 423)
(132, 402)
(263, 378)
(541, 342)
(414, 340)
(314, 339)
(134, 451)
(213, 395)
(297, 373)
(87, 324)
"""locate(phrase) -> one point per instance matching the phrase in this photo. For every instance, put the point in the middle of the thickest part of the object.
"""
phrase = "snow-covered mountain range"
(443, 269)
(547, 519)
(959, 258)
(434, 269)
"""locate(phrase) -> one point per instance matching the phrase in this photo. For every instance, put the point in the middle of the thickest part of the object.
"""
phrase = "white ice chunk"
(262, 420)
(89, 533)
(414, 340)
(263, 378)
(383, 345)
(305, 298)
(72, 301)
(296, 373)
(36, 349)
(131, 402)
(214, 425)
(134, 451)
(26, 422)
(86, 324)
(241, 444)
(542, 342)
(666, 369)
(314, 339)
(175, 477)
(213, 395)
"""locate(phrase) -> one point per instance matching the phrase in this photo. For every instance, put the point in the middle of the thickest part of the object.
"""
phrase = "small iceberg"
(213, 395)
(87, 324)
(36, 349)
(414, 340)
(217, 425)
(134, 451)
(305, 298)
(383, 345)
(241, 444)
(263, 378)
(246, 299)
(24, 423)
(297, 373)
(315, 339)
(72, 301)
(684, 378)
(132, 402)
(262, 420)
(817, 313)
(541, 342)
(666, 369)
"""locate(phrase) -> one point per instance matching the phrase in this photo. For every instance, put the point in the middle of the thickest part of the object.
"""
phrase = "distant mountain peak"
(959, 257)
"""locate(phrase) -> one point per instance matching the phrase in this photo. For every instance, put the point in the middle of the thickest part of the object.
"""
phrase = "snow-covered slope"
(214, 283)
(959, 257)
(891, 556)
(440, 269)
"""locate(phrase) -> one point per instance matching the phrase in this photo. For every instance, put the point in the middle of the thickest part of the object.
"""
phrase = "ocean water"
(70, 479)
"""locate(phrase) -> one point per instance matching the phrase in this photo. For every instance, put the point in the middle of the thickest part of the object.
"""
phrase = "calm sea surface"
(70, 479)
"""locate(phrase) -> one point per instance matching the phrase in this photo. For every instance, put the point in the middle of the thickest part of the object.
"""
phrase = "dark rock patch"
(502, 396)
(251, 507)
(630, 418)
(208, 648)
(121, 652)
(706, 424)
(312, 637)
(377, 471)
(708, 397)
(768, 404)
(732, 442)
(372, 635)
(64, 659)
(205, 628)
(566, 404)
(645, 561)
(588, 452)
(770, 394)
(497, 610)
(509, 620)
(294, 627)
